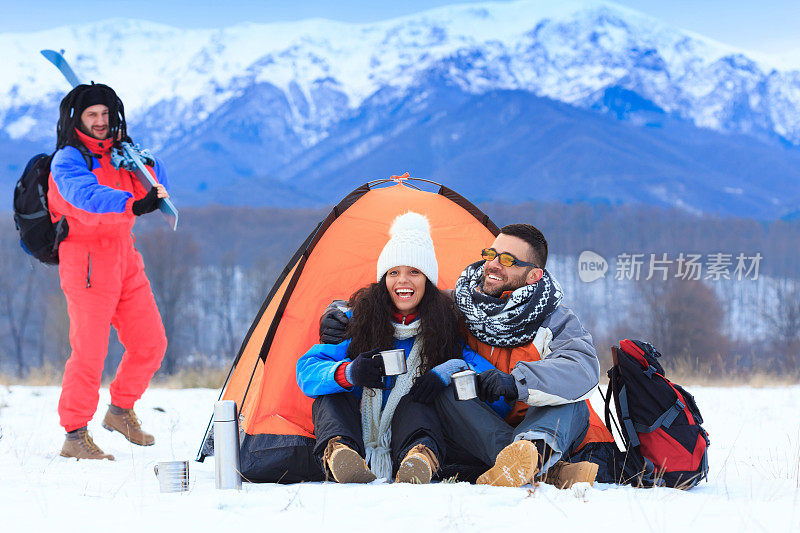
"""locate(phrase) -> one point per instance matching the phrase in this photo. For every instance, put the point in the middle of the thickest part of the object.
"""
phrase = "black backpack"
(659, 421)
(38, 235)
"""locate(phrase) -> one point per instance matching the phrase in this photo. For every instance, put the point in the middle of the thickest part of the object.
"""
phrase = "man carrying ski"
(101, 272)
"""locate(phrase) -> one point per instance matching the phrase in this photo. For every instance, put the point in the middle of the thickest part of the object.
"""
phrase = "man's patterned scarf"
(505, 322)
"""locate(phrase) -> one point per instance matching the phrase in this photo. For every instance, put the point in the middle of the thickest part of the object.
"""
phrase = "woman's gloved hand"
(429, 385)
(366, 370)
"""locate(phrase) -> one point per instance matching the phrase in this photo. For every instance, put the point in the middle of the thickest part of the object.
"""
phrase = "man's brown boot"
(79, 444)
(345, 464)
(563, 475)
(516, 464)
(126, 422)
(418, 466)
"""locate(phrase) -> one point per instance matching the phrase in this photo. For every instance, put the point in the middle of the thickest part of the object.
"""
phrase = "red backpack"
(660, 421)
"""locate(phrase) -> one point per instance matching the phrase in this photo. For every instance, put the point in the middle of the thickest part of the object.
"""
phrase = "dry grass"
(690, 373)
(736, 379)
(758, 380)
(45, 375)
(682, 371)
(192, 378)
(188, 378)
(213, 378)
(726, 372)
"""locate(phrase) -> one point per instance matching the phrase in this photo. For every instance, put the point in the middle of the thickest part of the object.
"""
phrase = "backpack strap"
(87, 155)
(610, 391)
(42, 198)
(608, 416)
(630, 427)
(607, 401)
(647, 477)
(62, 230)
(632, 468)
(666, 419)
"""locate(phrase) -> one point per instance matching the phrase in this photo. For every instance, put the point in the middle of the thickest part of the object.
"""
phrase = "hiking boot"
(345, 464)
(126, 422)
(418, 466)
(80, 445)
(516, 464)
(563, 475)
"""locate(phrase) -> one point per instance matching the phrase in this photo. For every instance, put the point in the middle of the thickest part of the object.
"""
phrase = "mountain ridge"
(261, 102)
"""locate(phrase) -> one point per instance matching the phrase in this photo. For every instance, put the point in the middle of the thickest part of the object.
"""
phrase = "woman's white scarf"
(376, 424)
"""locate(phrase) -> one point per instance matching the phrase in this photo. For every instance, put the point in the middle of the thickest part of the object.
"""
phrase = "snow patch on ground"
(753, 483)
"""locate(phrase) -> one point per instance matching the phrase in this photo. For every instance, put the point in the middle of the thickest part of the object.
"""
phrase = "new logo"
(591, 266)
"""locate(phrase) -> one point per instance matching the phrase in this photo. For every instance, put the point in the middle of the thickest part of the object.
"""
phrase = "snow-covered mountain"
(260, 102)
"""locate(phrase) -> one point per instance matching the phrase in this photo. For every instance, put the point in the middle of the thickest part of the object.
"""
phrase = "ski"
(57, 59)
(129, 158)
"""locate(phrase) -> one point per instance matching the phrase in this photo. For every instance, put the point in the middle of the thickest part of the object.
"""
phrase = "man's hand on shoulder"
(333, 323)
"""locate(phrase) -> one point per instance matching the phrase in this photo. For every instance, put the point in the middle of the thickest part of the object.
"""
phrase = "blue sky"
(770, 27)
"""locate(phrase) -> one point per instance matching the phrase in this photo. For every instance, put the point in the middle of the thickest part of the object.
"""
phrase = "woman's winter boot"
(345, 464)
(418, 466)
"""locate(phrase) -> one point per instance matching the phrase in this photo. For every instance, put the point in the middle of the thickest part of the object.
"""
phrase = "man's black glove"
(332, 325)
(148, 204)
(493, 384)
(366, 370)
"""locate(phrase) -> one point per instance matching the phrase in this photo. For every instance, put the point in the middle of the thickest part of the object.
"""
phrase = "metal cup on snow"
(173, 476)
(465, 384)
(394, 362)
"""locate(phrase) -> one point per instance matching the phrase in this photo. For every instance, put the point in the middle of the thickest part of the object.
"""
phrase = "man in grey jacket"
(545, 369)
(545, 365)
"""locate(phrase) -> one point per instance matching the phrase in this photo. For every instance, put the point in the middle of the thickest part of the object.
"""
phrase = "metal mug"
(173, 476)
(394, 362)
(464, 384)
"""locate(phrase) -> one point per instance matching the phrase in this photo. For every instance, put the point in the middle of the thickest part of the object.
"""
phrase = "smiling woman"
(406, 286)
(393, 427)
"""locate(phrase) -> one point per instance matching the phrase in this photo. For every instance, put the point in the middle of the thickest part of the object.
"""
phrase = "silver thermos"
(226, 445)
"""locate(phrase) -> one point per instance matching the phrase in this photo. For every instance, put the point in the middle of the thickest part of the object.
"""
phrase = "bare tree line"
(210, 278)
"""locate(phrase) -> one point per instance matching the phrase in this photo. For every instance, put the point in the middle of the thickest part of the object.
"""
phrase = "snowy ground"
(753, 485)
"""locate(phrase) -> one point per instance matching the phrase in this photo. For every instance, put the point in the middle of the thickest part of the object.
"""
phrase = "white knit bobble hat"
(410, 244)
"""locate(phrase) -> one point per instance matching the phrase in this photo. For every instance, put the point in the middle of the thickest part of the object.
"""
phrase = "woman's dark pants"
(339, 415)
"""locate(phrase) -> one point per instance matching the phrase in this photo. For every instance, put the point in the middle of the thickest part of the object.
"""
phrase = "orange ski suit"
(102, 276)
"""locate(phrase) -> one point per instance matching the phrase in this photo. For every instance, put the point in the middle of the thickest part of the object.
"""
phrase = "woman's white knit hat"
(411, 245)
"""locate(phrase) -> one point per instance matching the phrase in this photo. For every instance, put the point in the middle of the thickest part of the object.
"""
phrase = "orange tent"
(338, 257)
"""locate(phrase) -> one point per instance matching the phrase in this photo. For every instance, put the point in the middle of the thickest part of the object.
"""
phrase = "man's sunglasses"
(505, 258)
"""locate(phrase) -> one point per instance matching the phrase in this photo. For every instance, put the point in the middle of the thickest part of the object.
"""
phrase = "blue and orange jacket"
(97, 202)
